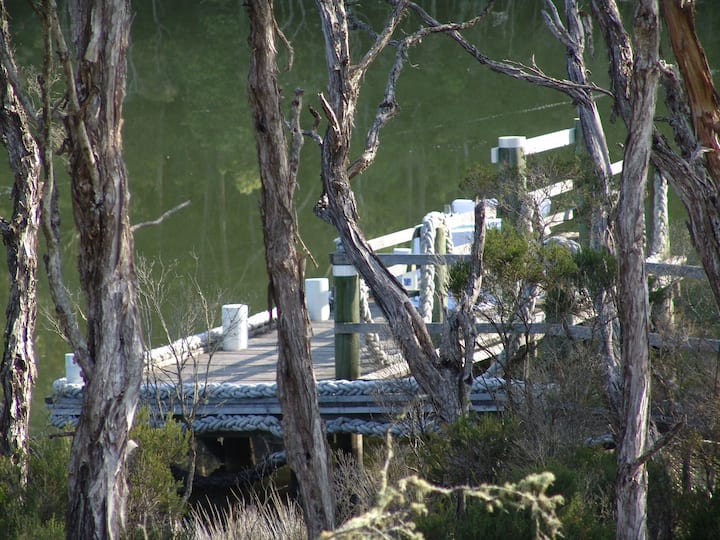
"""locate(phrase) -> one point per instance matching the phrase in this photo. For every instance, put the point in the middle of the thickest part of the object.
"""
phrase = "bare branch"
(76, 123)
(578, 92)
(162, 218)
(296, 140)
(552, 20)
(330, 115)
(50, 220)
(398, 12)
(313, 132)
(288, 46)
(8, 62)
(661, 443)
(388, 108)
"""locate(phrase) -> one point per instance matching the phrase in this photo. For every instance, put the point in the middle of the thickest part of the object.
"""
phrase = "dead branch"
(359, 70)
(313, 132)
(389, 107)
(8, 62)
(532, 74)
(296, 140)
(76, 124)
(50, 218)
(162, 217)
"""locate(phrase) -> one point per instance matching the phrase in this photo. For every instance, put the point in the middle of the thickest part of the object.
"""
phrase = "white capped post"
(235, 327)
(317, 298)
(72, 370)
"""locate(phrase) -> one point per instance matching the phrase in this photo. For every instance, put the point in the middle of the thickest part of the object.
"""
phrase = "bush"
(473, 450)
(38, 510)
(155, 505)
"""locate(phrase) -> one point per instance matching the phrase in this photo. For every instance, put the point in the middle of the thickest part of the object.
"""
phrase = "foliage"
(475, 449)
(595, 270)
(36, 511)
(398, 507)
(155, 505)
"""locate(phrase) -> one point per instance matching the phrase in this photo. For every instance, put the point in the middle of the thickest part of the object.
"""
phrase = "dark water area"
(188, 136)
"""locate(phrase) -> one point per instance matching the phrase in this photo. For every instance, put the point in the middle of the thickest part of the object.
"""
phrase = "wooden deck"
(257, 364)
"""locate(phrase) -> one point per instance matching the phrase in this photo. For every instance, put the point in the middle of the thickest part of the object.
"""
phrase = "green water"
(188, 134)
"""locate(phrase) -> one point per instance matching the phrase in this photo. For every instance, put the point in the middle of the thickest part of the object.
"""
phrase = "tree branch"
(76, 122)
(162, 218)
(296, 135)
(50, 220)
(531, 74)
(382, 40)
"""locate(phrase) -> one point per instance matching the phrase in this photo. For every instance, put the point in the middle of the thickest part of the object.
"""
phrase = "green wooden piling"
(582, 210)
(347, 346)
(347, 310)
(512, 165)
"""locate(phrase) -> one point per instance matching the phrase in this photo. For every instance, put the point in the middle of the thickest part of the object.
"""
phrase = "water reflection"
(188, 134)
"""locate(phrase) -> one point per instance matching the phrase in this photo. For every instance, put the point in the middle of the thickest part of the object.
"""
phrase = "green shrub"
(36, 511)
(155, 505)
(473, 450)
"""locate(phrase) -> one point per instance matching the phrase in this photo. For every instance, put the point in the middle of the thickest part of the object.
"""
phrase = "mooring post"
(347, 346)
(583, 211)
(512, 164)
(347, 310)
(441, 276)
(235, 327)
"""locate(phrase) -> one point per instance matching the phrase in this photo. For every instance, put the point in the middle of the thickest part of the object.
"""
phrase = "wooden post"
(347, 346)
(347, 309)
(583, 216)
(441, 276)
(512, 164)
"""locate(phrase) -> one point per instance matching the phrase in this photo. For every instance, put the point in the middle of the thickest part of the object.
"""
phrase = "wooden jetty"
(234, 392)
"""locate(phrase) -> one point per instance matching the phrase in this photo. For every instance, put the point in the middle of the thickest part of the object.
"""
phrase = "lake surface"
(188, 137)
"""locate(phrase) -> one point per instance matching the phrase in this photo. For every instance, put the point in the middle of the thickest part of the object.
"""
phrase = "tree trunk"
(631, 486)
(112, 365)
(303, 430)
(696, 125)
(595, 145)
(441, 380)
(18, 365)
(688, 174)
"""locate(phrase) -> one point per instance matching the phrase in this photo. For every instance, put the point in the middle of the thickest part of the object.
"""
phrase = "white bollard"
(235, 327)
(72, 370)
(317, 298)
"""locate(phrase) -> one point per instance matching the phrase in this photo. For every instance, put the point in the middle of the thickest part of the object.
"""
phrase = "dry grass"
(271, 519)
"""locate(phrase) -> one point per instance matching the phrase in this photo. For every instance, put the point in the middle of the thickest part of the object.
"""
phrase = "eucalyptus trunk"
(19, 234)
(303, 430)
(631, 482)
(443, 381)
(112, 363)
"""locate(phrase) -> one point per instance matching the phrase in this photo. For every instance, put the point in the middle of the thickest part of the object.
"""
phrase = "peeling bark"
(19, 234)
(112, 363)
(631, 481)
(303, 430)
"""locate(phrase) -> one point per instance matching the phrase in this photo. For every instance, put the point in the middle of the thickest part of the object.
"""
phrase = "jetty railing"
(511, 152)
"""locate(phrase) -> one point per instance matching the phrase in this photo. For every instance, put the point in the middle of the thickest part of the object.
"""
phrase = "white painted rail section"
(549, 141)
(535, 145)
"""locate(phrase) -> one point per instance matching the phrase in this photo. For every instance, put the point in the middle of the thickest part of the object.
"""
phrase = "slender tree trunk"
(631, 487)
(112, 363)
(696, 124)
(303, 431)
(18, 364)
(689, 173)
(442, 381)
